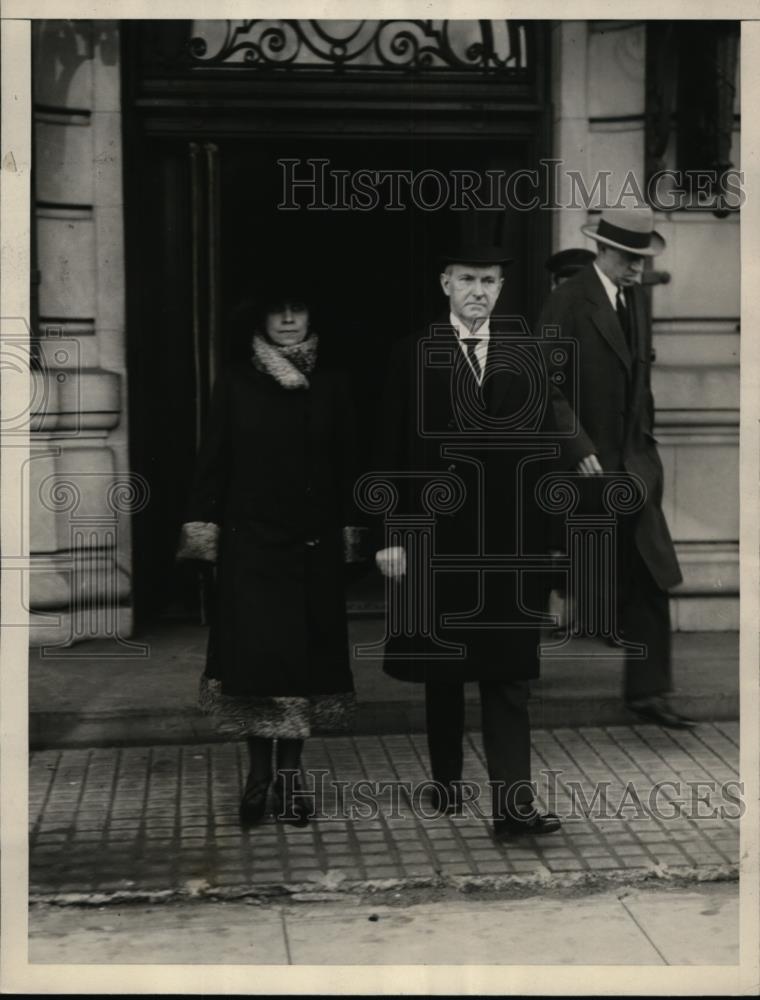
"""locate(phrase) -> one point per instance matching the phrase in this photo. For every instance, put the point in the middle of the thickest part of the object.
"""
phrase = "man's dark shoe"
(527, 822)
(659, 712)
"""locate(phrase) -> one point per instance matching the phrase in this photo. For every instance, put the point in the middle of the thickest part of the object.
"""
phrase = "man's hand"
(589, 466)
(391, 562)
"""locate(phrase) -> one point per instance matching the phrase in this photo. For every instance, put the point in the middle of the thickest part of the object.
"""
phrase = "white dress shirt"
(483, 333)
(609, 286)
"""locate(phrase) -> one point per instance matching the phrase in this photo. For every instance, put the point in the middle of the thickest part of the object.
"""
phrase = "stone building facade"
(594, 117)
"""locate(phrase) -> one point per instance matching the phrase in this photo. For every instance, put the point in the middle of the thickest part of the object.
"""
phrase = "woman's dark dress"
(276, 473)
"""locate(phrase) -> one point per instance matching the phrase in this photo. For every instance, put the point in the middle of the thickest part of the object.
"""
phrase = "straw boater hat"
(629, 229)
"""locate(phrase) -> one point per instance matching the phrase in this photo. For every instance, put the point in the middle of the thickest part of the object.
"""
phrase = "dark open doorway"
(374, 274)
(204, 226)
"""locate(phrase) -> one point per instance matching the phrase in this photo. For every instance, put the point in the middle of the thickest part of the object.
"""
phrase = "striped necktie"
(471, 343)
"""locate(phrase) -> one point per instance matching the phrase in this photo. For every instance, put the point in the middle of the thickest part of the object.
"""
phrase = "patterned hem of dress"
(276, 716)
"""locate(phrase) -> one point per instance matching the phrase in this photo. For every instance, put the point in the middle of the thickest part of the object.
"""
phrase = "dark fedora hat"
(565, 263)
(477, 254)
(629, 229)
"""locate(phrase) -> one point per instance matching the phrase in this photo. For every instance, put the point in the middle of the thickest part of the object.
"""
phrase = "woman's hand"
(391, 562)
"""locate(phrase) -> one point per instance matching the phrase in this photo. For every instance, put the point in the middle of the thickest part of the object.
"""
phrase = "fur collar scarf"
(288, 366)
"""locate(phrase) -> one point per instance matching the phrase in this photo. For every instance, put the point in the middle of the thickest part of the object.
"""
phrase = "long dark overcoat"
(492, 442)
(276, 473)
(613, 405)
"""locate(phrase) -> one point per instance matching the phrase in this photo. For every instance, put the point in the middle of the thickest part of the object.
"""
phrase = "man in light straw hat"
(602, 308)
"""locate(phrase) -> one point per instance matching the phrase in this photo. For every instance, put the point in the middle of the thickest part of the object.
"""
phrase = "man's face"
(622, 268)
(472, 291)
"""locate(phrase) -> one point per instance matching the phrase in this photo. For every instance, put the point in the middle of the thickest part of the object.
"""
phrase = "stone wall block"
(56, 586)
(66, 250)
(65, 628)
(616, 70)
(695, 343)
(705, 501)
(617, 150)
(696, 387)
(62, 64)
(71, 492)
(107, 159)
(109, 298)
(106, 66)
(702, 256)
(63, 150)
(71, 400)
(570, 61)
(706, 614)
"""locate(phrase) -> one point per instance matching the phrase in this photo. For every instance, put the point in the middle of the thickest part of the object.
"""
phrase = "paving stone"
(492, 867)
(565, 865)
(629, 850)
(383, 871)
(485, 855)
(419, 870)
(518, 866)
(415, 859)
(456, 868)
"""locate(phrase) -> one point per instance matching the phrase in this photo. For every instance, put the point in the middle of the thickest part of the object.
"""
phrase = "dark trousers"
(644, 616)
(506, 737)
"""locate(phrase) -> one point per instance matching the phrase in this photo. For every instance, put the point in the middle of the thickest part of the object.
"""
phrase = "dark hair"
(272, 296)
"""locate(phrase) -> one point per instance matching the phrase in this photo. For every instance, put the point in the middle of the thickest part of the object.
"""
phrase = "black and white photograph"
(380, 462)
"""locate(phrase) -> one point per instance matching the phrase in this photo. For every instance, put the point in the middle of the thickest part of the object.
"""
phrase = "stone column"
(79, 440)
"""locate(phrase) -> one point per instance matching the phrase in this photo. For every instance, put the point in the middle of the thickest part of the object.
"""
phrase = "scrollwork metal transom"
(487, 47)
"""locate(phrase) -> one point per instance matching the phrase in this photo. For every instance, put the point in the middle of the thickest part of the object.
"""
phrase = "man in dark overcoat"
(603, 309)
(464, 416)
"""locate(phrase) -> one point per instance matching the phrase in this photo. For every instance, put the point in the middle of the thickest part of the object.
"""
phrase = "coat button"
(312, 542)
(452, 468)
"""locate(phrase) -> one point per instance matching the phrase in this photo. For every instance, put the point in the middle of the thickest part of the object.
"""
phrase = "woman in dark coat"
(275, 474)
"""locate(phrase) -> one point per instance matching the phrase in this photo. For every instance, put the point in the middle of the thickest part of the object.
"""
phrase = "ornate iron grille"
(485, 47)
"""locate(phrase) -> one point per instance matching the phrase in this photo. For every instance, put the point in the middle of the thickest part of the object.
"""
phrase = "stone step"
(94, 694)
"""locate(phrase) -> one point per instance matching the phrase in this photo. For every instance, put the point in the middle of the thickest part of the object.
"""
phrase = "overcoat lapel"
(451, 376)
(604, 318)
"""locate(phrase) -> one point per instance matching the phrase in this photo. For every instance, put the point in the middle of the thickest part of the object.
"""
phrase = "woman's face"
(287, 324)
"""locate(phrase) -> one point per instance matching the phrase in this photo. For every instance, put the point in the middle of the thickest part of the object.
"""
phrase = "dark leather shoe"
(254, 801)
(660, 713)
(528, 822)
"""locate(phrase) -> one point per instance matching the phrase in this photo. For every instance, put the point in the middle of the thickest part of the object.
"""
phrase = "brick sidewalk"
(152, 819)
